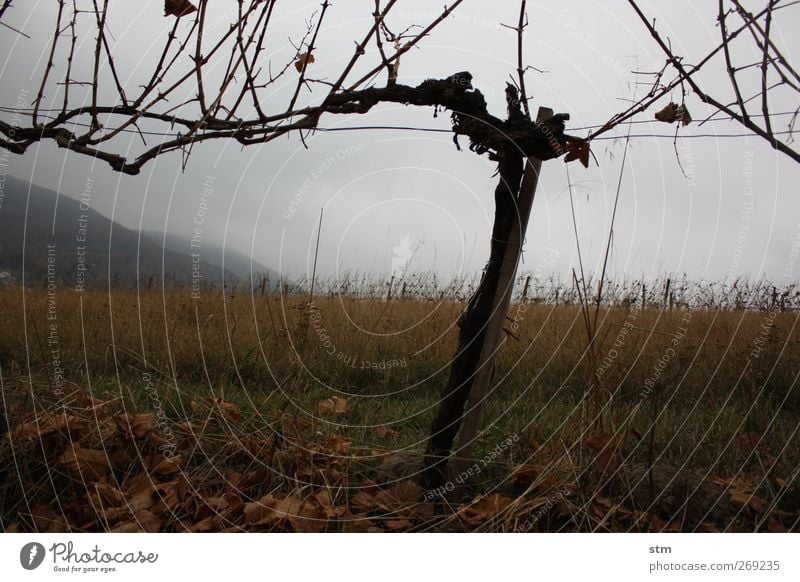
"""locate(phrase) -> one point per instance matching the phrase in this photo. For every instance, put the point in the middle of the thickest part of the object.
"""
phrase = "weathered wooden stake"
(476, 406)
(482, 322)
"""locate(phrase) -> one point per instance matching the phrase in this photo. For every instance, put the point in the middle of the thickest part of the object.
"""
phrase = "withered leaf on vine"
(178, 8)
(302, 61)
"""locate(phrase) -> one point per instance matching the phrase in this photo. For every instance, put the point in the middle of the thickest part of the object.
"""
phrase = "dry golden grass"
(723, 403)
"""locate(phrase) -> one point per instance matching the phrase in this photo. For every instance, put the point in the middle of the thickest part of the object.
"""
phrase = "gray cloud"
(380, 186)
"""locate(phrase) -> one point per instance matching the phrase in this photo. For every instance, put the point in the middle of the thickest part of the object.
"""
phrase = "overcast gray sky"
(379, 188)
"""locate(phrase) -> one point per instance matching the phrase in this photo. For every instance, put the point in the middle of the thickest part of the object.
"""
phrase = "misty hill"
(235, 262)
(79, 244)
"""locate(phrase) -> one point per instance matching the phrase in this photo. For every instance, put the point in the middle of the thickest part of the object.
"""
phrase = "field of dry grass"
(262, 411)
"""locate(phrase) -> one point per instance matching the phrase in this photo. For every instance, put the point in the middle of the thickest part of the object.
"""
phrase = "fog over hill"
(41, 229)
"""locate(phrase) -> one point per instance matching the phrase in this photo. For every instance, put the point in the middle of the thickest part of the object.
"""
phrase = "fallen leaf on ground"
(126, 527)
(744, 500)
(523, 475)
(203, 525)
(338, 445)
(606, 445)
(88, 465)
(228, 409)
(401, 495)
(483, 509)
(86, 400)
(302, 516)
(335, 405)
(142, 500)
(148, 521)
(165, 465)
(384, 431)
(137, 425)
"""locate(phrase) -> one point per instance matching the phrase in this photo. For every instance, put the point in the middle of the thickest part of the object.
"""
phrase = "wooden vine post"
(463, 399)
(492, 340)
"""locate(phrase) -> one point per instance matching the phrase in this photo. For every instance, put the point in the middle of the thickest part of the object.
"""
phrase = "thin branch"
(658, 92)
(40, 95)
(523, 22)
(309, 51)
(4, 7)
(728, 63)
(705, 97)
(765, 69)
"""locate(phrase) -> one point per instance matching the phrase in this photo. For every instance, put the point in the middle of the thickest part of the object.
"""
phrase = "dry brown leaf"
(138, 483)
(228, 409)
(744, 500)
(216, 503)
(136, 425)
(578, 150)
(397, 524)
(86, 400)
(288, 506)
(302, 516)
(28, 429)
(58, 525)
(523, 475)
(403, 494)
(43, 516)
(88, 465)
(142, 500)
(338, 445)
(607, 446)
(203, 525)
(148, 521)
(674, 112)
(775, 526)
(303, 60)
(362, 501)
(74, 426)
(323, 499)
(657, 524)
(383, 432)
(171, 494)
(165, 465)
(260, 512)
(126, 527)
(335, 405)
(483, 508)
(108, 495)
(358, 525)
(309, 519)
(604, 502)
(178, 8)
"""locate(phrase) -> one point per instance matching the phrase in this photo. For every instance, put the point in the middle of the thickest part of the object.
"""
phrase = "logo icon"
(31, 555)
(403, 253)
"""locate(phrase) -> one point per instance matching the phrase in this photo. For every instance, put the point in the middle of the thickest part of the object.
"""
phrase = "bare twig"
(687, 76)
(523, 22)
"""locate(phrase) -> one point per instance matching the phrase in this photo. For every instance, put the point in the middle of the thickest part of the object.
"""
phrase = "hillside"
(84, 248)
(236, 263)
